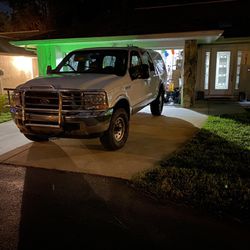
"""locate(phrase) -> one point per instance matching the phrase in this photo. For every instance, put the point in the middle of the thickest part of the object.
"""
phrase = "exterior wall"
(16, 71)
(244, 86)
(234, 90)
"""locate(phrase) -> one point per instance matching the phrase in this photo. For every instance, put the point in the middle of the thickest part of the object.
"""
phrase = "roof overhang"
(7, 49)
(235, 40)
(154, 41)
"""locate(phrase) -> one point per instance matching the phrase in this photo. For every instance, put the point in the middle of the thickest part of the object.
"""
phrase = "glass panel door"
(237, 81)
(219, 72)
(207, 70)
(222, 70)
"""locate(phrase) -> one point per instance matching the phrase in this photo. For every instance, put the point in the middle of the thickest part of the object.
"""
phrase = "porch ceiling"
(154, 41)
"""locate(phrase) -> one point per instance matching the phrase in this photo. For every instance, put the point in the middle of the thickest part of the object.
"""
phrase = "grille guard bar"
(56, 114)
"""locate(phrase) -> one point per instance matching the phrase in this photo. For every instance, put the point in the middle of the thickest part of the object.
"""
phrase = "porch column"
(46, 56)
(190, 66)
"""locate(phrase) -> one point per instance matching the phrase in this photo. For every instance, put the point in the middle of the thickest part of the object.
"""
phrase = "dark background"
(124, 17)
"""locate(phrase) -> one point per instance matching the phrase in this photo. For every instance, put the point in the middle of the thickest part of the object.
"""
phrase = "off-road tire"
(157, 105)
(37, 138)
(117, 134)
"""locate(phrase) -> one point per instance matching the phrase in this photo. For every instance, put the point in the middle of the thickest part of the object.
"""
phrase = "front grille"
(72, 100)
(41, 100)
(43, 108)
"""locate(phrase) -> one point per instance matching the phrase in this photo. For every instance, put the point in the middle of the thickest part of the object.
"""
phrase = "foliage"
(4, 22)
(211, 172)
(29, 15)
(4, 112)
(5, 116)
(2, 103)
(26, 15)
(48, 15)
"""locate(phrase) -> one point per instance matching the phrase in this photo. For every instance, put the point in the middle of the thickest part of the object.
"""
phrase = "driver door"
(138, 90)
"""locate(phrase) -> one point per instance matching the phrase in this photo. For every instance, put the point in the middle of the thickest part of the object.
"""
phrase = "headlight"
(95, 100)
(16, 99)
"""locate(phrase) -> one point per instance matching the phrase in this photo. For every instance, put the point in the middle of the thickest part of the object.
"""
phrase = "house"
(224, 68)
(214, 66)
(212, 37)
(17, 65)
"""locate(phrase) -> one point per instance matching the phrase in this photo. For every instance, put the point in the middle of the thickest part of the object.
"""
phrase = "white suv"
(91, 93)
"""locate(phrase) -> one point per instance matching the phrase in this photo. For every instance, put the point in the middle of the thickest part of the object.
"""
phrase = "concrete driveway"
(47, 209)
(150, 140)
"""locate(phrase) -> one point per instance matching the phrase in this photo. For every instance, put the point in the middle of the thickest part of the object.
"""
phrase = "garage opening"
(173, 59)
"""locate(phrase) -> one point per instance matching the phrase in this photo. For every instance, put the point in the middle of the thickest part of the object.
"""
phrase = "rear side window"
(146, 59)
(159, 65)
(135, 59)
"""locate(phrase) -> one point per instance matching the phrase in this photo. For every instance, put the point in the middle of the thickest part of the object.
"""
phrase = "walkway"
(150, 140)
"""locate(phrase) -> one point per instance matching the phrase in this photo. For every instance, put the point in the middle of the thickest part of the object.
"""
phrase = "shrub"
(2, 103)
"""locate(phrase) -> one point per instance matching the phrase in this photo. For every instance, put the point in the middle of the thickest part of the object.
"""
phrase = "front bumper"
(81, 124)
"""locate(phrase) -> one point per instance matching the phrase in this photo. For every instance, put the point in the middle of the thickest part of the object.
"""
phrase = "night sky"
(127, 17)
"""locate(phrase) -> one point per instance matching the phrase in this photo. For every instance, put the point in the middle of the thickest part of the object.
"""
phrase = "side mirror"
(49, 70)
(144, 71)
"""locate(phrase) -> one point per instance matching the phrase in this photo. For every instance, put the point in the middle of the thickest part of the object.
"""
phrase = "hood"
(84, 81)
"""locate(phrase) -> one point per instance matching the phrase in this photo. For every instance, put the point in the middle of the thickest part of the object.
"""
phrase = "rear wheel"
(37, 138)
(157, 105)
(117, 134)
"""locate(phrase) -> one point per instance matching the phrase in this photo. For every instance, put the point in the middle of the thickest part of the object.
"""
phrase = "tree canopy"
(113, 17)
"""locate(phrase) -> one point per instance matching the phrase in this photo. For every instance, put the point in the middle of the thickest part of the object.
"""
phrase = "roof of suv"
(111, 48)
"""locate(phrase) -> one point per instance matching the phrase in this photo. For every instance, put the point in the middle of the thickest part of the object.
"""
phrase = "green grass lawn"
(5, 116)
(211, 172)
(4, 110)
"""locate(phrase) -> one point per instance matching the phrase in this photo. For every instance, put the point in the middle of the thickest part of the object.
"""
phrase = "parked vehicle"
(91, 93)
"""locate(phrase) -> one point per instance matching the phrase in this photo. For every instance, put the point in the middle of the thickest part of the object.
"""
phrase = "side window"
(135, 59)
(160, 66)
(135, 69)
(146, 59)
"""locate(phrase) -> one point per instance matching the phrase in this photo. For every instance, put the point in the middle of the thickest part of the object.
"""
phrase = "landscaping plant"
(4, 112)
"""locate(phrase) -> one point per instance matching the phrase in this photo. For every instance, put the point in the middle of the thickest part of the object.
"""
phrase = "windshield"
(95, 61)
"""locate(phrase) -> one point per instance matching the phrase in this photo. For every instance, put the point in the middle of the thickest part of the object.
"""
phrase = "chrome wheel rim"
(119, 129)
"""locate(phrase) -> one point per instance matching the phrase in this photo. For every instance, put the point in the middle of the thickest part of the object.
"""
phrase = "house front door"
(221, 79)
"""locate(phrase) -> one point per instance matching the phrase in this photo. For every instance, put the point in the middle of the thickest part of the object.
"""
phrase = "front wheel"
(117, 134)
(157, 105)
(37, 138)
